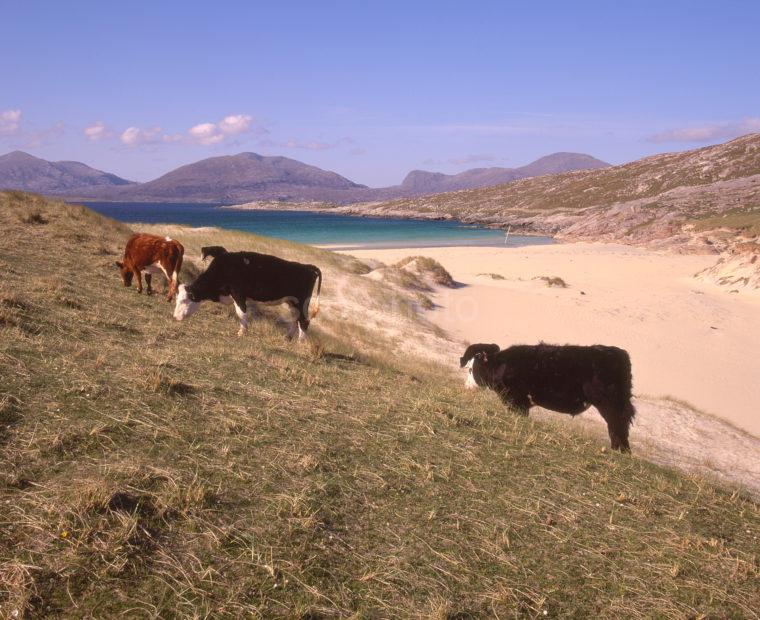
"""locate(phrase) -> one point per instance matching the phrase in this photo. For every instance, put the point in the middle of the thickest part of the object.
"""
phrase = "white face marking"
(184, 307)
(470, 383)
(168, 238)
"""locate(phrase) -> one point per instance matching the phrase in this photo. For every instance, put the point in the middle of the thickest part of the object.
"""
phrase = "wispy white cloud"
(11, 129)
(206, 134)
(10, 121)
(214, 133)
(235, 124)
(136, 136)
(98, 131)
(709, 131)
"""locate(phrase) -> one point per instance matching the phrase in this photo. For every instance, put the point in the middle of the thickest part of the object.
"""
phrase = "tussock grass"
(152, 468)
(553, 281)
(493, 276)
(428, 267)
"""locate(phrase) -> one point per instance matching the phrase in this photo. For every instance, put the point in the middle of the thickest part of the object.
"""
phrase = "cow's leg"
(303, 320)
(148, 280)
(618, 423)
(294, 316)
(241, 311)
(170, 284)
(616, 409)
(138, 277)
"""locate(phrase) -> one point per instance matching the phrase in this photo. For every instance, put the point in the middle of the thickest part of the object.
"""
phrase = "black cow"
(242, 277)
(568, 379)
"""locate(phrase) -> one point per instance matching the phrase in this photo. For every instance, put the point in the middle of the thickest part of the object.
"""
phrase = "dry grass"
(156, 469)
(428, 267)
(493, 276)
(553, 281)
(743, 221)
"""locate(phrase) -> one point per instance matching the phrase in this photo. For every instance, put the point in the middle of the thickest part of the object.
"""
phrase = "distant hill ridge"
(19, 170)
(421, 181)
(250, 176)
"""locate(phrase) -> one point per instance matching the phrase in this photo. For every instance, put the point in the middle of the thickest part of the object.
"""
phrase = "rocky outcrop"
(738, 269)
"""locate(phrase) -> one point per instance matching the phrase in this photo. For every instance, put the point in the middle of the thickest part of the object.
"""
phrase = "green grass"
(161, 469)
(745, 221)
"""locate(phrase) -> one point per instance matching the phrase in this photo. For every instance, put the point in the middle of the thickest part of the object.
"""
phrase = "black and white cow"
(566, 378)
(242, 277)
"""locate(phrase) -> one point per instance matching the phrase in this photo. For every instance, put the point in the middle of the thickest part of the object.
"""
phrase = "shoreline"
(439, 243)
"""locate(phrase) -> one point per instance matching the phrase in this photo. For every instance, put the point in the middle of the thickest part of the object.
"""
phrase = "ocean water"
(343, 231)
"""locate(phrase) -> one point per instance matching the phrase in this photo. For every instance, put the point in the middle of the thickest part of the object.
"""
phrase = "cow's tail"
(318, 272)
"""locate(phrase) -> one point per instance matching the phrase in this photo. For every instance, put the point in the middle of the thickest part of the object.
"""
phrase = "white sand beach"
(694, 346)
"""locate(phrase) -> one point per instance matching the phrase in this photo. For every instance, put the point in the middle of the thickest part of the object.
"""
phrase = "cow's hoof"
(149, 292)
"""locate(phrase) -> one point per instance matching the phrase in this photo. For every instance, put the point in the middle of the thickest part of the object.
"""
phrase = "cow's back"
(260, 276)
(546, 362)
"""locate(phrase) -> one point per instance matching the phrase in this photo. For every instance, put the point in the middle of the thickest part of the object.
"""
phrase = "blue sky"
(373, 89)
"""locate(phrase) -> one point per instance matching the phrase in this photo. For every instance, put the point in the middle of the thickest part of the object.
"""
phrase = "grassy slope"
(173, 469)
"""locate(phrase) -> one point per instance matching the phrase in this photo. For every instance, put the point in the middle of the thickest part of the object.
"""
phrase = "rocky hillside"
(19, 170)
(648, 199)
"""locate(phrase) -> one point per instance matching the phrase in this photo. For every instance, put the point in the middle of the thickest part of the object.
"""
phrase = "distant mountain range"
(249, 177)
(420, 182)
(19, 170)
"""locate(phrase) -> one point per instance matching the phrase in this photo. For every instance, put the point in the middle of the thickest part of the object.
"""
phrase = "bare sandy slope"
(694, 347)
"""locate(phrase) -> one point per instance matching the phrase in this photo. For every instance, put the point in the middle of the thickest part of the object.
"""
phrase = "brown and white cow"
(151, 254)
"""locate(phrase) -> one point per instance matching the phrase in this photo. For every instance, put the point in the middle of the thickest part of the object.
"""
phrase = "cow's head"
(126, 274)
(186, 303)
(475, 359)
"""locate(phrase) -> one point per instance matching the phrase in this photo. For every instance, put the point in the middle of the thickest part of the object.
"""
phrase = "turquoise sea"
(316, 228)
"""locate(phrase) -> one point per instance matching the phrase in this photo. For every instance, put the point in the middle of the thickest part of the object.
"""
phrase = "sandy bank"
(693, 345)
